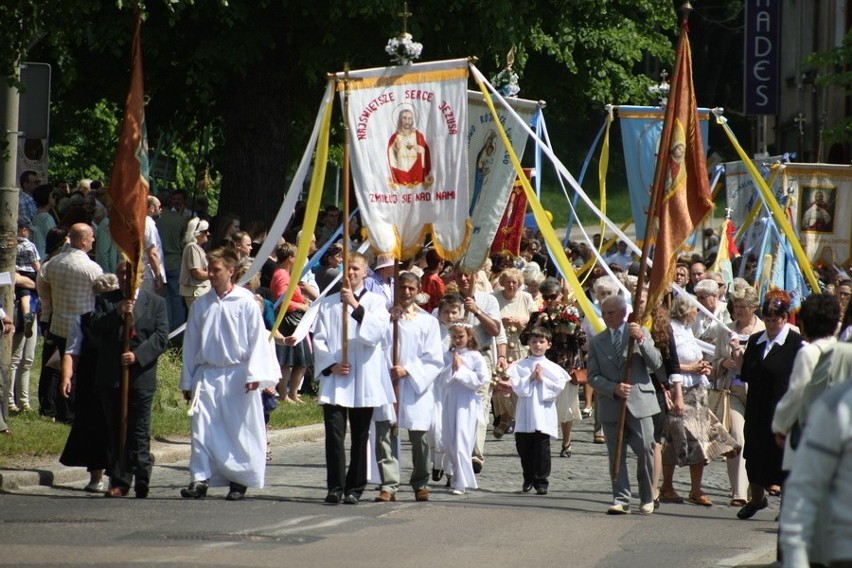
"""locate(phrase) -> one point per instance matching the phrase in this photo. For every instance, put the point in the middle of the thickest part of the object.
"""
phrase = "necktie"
(616, 341)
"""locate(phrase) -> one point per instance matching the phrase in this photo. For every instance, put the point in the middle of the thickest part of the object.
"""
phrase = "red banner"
(681, 186)
(511, 228)
(128, 187)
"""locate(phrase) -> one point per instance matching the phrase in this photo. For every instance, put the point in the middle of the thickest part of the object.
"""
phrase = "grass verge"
(38, 440)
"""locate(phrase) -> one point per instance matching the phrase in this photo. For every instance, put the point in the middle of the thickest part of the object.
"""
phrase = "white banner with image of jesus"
(408, 154)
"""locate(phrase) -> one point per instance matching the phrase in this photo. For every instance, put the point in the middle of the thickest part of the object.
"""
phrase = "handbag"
(719, 401)
(579, 376)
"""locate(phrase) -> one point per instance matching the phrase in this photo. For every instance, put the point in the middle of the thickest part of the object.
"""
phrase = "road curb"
(163, 451)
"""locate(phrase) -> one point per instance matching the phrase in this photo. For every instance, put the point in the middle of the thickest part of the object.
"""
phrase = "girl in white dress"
(465, 371)
(450, 308)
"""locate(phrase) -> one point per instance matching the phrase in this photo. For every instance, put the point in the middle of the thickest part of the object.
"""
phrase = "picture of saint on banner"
(818, 215)
(409, 157)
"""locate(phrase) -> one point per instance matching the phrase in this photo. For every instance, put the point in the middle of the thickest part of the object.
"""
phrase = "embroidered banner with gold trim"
(409, 155)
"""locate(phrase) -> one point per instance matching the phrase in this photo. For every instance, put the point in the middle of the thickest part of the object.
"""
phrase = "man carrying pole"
(351, 388)
(608, 360)
(680, 200)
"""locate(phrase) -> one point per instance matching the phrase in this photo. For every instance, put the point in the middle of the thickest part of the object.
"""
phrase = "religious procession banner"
(823, 194)
(511, 228)
(409, 155)
(743, 197)
(641, 128)
(491, 172)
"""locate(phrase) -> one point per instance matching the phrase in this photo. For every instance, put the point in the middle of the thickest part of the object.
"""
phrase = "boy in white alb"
(537, 381)
(420, 362)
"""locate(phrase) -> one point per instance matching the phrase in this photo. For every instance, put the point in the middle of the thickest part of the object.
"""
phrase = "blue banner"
(640, 135)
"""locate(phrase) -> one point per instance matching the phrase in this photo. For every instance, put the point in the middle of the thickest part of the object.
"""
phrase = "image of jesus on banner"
(408, 153)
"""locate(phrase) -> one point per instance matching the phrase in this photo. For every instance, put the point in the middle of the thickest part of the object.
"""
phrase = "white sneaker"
(94, 487)
(457, 492)
(647, 508)
(620, 509)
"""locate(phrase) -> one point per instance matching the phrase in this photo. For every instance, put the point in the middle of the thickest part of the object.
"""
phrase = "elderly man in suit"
(606, 366)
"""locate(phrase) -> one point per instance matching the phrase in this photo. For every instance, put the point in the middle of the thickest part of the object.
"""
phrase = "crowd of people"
(441, 352)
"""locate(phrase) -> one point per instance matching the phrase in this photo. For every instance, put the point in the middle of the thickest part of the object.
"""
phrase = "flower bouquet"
(403, 49)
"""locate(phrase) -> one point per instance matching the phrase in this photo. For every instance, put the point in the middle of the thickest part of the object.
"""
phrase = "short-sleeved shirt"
(27, 256)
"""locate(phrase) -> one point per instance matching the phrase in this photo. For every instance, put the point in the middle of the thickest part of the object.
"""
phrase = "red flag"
(128, 187)
(681, 188)
(508, 237)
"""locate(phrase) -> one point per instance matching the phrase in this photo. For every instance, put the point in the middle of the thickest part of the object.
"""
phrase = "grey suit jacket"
(606, 369)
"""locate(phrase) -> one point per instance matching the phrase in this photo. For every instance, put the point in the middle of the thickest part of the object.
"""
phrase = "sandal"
(700, 499)
(774, 490)
(738, 502)
(566, 451)
(669, 496)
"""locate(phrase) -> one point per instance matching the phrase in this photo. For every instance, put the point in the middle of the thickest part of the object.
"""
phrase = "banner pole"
(344, 328)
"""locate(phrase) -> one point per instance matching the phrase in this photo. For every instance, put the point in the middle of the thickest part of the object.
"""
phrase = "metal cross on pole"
(405, 14)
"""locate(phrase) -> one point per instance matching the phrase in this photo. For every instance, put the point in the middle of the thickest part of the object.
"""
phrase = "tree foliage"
(836, 70)
(258, 68)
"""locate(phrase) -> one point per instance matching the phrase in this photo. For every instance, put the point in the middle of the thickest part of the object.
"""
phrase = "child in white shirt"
(537, 381)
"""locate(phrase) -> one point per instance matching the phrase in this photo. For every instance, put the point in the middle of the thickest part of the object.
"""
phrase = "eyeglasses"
(550, 297)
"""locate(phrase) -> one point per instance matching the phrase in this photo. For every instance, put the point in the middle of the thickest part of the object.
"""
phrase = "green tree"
(834, 68)
(259, 67)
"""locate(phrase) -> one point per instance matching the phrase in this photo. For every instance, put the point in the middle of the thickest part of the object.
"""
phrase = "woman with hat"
(193, 264)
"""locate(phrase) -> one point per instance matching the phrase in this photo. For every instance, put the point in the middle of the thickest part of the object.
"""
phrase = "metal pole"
(9, 195)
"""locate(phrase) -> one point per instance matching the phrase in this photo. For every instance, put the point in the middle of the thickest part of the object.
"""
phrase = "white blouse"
(688, 352)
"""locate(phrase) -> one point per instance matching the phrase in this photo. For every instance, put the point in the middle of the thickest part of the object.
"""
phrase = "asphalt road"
(287, 523)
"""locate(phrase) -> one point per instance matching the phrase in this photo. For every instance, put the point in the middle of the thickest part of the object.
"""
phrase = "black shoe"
(510, 429)
(541, 490)
(196, 490)
(656, 503)
(333, 498)
(437, 474)
(141, 489)
(351, 499)
(752, 507)
(237, 492)
(477, 465)
(527, 486)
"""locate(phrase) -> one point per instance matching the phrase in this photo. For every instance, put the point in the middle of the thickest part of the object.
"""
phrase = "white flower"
(403, 50)
(506, 82)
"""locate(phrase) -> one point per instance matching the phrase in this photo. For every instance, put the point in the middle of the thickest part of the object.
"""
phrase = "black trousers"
(50, 402)
(138, 447)
(339, 478)
(534, 450)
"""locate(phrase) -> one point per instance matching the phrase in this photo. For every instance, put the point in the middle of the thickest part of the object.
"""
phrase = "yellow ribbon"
(774, 208)
(756, 208)
(544, 225)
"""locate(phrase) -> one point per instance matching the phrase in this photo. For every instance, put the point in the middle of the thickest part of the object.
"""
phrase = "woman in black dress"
(767, 365)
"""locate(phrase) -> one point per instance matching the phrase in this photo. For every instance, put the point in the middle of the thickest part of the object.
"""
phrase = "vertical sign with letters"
(762, 54)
